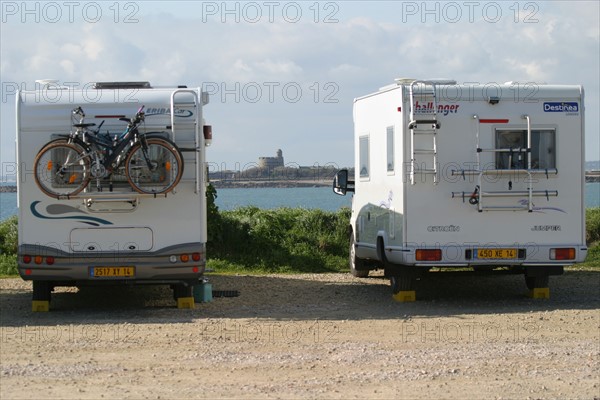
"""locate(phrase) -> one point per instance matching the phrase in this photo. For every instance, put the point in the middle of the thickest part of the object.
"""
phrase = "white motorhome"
(464, 175)
(108, 233)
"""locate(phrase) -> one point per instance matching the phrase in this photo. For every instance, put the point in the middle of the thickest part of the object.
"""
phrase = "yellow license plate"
(493, 254)
(113, 272)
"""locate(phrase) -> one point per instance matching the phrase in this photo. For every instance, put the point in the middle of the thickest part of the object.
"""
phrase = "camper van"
(488, 177)
(115, 227)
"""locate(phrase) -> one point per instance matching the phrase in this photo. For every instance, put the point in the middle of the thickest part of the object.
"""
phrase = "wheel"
(41, 290)
(357, 265)
(157, 173)
(533, 282)
(182, 291)
(401, 283)
(61, 169)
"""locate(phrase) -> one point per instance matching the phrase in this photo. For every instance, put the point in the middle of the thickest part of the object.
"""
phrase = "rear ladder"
(197, 141)
(423, 123)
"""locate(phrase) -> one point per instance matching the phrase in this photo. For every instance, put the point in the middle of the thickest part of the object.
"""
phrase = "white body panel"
(405, 216)
(120, 227)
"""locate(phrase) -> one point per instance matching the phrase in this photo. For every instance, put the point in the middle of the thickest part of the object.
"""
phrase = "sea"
(310, 198)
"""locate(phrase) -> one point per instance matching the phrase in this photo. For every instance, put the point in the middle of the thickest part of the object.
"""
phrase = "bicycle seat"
(83, 125)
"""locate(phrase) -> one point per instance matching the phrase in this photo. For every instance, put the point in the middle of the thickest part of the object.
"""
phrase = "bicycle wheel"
(155, 171)
(61, 169)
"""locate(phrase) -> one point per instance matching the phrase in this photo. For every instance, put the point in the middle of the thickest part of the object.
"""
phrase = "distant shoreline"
(267, 183)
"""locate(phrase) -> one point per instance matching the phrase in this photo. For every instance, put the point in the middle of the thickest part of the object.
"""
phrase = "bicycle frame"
(126, 139)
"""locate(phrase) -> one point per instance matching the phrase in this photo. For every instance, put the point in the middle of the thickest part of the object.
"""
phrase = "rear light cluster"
(39, 260)
(428, 255)
(184, 258)
(566, 253)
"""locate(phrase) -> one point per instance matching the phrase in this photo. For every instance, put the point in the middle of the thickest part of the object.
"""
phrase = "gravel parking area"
(307, 336)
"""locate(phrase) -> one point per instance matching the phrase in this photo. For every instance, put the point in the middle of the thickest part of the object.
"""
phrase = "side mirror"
(341, 184)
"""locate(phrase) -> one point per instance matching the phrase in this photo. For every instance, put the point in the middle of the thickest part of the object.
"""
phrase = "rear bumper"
(465, 255)
(162, 266)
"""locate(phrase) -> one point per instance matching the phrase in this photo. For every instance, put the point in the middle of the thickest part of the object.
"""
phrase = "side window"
(390, 149)
(543, 149)
(363, 148)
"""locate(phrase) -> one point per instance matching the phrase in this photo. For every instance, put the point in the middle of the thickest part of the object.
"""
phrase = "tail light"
(207, 130)
(429, 255)
(566, 253)
(27, 259)
(186, 257)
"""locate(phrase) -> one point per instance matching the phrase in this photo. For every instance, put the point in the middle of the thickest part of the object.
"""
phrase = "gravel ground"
(307, 336)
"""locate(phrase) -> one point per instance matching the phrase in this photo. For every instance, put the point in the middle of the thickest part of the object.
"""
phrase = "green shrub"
(592, 220)
(8, 264)
(213, 218)
(8, 246)
(281, 240)
(9, 236)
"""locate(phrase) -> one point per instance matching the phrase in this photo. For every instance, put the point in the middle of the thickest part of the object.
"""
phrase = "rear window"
(543, 148)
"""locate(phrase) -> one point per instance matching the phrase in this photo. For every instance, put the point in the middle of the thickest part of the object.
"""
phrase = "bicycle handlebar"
(79, 111)
(139, 116)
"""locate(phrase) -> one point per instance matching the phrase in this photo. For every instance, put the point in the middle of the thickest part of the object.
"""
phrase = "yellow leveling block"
(40, 305)
(185, 302)
(540, 293)
(405, 296)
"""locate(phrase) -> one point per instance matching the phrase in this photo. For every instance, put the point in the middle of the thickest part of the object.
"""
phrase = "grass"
(283, 240)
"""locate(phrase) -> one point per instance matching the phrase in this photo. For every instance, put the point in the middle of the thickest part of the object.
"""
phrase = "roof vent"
(436, 81)
(47, 82)
(122, 85)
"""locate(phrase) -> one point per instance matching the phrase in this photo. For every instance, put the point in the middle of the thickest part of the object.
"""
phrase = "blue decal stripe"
(84, 219)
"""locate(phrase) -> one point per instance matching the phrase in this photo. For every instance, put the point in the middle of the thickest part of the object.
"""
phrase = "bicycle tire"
(61, 169)
(166, 160)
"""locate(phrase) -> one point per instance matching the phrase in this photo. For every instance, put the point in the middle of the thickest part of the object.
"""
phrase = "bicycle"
(65, 166)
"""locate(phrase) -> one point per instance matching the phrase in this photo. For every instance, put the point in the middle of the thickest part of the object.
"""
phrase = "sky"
(284, 74)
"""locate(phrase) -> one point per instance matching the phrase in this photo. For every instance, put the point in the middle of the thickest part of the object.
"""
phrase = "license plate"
(113, 272)
(492, 254)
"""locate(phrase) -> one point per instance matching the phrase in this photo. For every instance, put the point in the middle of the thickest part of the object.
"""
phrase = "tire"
(165, 171)
(41, 290)
(401, 283)
(182, 291)
(61, 169)
(533, 282)
(357, 265)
